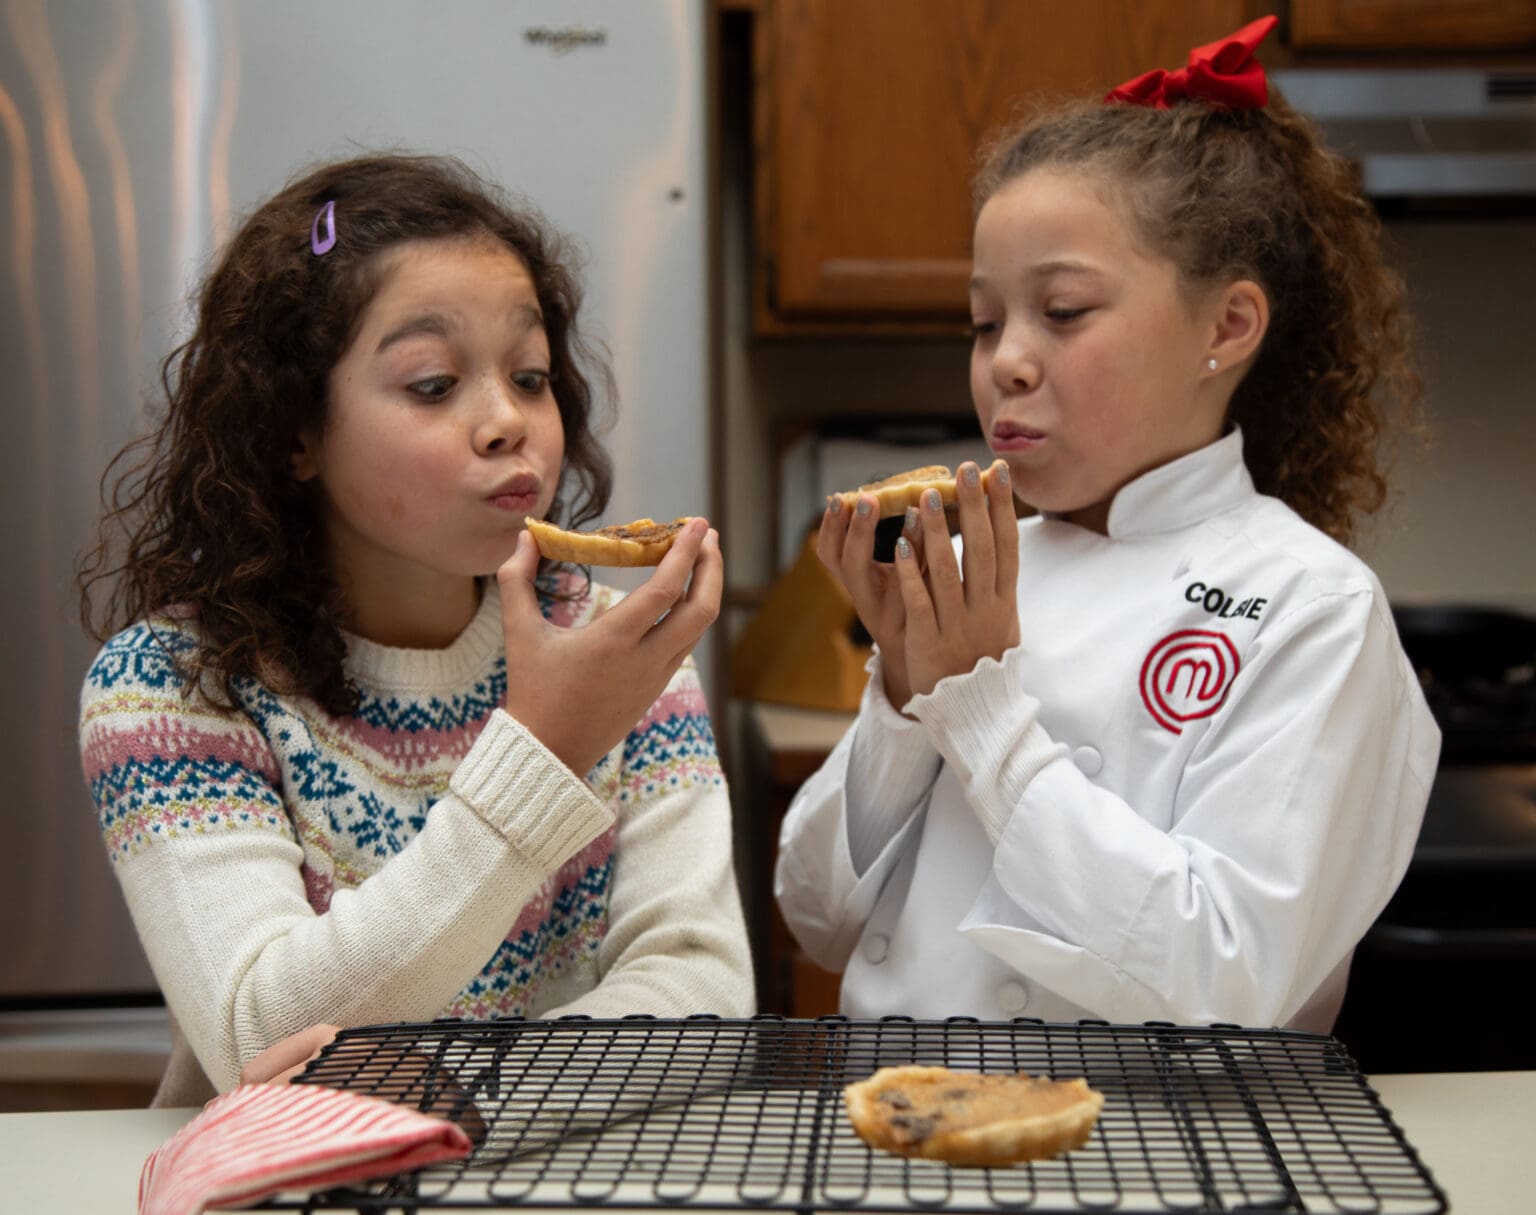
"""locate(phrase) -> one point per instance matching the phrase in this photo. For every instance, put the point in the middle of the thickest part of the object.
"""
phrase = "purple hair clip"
(323, 244)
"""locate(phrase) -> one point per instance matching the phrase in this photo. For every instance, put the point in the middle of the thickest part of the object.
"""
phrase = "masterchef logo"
(1186, 677)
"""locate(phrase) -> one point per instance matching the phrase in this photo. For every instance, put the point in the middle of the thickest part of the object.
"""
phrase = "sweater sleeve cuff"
(513, 782)
(986, 726)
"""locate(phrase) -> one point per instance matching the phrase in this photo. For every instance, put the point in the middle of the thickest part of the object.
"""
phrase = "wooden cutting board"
(798, 649)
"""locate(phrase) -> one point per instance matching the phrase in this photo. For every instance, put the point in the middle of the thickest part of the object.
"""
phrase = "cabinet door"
(870, 114)
(1380, 25)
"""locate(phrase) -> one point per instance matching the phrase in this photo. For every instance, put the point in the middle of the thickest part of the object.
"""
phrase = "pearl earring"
(1212, 364)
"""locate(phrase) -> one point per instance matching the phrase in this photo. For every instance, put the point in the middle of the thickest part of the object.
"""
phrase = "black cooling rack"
(716, 1114)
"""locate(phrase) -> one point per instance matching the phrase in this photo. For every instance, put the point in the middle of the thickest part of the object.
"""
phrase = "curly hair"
(214, 525)
(1228, 194)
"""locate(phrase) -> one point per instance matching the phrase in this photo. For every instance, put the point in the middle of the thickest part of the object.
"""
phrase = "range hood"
(1443, 133)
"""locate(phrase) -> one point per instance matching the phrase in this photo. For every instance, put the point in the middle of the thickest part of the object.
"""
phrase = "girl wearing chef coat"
(1154, 752)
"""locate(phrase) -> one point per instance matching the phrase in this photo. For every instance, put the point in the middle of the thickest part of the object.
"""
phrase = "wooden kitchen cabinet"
(1389, 25)
(868, 115)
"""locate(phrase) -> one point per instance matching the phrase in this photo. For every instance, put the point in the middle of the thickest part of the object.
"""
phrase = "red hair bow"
(1223, 72)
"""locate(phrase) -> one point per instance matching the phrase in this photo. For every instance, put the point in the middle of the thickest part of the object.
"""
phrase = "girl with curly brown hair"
(357, 756)
(1154, 753)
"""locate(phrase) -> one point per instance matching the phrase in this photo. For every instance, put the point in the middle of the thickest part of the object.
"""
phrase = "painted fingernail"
(831, 504)
(904, 548)
(971, 474)
(1002, 473)
(911, 521)
(863, 507)
(931, 500)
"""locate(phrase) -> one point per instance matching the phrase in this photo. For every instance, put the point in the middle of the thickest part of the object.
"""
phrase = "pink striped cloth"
(262, 1138)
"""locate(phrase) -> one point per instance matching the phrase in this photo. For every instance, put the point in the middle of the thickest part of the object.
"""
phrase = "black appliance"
(1454, 942)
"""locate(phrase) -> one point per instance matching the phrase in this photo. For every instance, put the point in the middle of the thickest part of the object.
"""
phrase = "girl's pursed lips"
(516, 486)
(1014, 434)
(517, 493)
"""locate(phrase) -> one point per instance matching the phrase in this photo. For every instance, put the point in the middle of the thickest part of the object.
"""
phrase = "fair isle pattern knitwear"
(173, 778)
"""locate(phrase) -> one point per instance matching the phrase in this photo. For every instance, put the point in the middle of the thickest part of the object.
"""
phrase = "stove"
(1452, 941)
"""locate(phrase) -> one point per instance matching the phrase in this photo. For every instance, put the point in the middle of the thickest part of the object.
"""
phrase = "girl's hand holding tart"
(959, 612)
(581, 691)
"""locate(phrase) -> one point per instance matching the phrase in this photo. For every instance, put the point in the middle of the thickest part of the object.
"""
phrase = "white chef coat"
(1184, 796)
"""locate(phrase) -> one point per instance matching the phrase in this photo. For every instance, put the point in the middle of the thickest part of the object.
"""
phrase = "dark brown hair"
(1254, 193)
(214, 524)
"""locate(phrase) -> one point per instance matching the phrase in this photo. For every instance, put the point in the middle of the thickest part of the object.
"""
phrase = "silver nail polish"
(863, 507)
(911, 521)
(972, 475)
(904, 548)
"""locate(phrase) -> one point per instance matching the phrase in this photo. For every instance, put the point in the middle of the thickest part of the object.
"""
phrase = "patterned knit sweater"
(422, 857)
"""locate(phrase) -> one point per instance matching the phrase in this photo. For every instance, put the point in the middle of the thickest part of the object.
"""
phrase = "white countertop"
(1473, 1130)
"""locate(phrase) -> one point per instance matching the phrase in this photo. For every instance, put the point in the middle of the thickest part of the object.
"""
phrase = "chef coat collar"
(1182, 492)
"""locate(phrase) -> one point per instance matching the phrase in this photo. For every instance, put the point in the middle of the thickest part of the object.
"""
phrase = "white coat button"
(876, 949)
(1012, 997)
(1088, 760)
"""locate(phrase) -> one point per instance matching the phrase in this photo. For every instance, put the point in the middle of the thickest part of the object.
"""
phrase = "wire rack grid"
(715, 1114)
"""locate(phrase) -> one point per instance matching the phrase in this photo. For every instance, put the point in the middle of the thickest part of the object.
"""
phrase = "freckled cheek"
(364, 502)
(552, 440)
(551, 428)
(981, 396)
(395, 486)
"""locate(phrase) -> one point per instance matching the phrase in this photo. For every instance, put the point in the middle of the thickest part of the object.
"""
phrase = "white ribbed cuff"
(984, 724)
(517, 785)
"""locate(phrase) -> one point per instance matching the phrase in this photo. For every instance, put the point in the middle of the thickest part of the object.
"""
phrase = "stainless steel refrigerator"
(133, 134)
